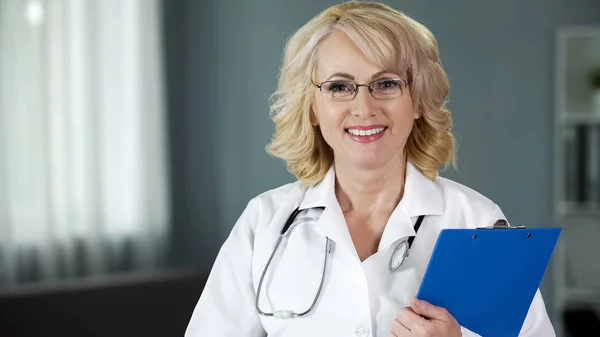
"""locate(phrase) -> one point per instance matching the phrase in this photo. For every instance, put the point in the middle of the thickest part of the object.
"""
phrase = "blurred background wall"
(498, 55)
(221, 64)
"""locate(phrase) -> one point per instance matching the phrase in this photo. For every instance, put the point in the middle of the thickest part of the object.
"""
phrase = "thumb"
(427, 309)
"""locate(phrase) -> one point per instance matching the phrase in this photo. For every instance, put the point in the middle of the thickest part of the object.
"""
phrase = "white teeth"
(369, 132)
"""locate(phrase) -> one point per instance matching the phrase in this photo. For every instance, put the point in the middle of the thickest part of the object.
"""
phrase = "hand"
(423, 319)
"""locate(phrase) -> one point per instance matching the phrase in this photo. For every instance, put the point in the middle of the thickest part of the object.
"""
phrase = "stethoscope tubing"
(289, 226)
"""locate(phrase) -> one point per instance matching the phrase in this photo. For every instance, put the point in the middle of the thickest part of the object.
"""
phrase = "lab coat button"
(361, 331)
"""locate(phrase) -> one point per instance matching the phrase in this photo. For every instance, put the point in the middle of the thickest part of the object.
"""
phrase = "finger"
(409, 319)
(398, 330)
(429, 310)
(398, 327)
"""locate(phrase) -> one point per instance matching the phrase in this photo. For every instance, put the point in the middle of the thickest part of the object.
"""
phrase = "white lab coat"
(359, 298)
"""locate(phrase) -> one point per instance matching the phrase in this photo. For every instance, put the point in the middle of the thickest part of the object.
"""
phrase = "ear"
(417, 111)
(417, 114)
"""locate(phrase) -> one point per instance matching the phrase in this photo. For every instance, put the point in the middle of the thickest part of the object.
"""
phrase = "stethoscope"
(398, 256)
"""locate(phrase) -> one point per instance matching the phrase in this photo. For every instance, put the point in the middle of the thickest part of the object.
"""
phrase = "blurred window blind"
(83, 175)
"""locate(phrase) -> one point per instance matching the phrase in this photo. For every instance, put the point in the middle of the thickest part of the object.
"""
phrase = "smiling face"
(363, 132)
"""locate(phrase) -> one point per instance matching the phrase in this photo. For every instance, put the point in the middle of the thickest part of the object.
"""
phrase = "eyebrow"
(350, 77)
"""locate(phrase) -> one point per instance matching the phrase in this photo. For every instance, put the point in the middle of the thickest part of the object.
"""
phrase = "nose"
(363, 103)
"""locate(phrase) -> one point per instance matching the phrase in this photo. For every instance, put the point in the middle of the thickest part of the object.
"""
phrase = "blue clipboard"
(487, 277)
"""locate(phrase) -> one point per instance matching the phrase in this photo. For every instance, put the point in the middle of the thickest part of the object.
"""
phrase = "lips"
(366, 134)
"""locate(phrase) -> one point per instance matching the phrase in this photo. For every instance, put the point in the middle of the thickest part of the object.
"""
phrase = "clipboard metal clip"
(501, 224)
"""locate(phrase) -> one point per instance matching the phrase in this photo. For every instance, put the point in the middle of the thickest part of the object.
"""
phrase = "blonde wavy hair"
(398, 44)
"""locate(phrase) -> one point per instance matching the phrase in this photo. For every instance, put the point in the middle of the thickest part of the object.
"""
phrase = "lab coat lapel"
(421, 197)
(332, 223)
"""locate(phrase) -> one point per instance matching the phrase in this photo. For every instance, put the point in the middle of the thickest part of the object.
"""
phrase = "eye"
(386, 85)
(339, 87)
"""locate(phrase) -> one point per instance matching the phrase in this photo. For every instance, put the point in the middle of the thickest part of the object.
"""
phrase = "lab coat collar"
(322, 194)
(421, 197)
(332, 223)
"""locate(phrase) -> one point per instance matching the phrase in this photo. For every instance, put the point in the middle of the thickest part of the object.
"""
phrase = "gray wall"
(223, 59)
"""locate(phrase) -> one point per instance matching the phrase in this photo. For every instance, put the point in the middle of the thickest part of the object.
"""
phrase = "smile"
(368, 132)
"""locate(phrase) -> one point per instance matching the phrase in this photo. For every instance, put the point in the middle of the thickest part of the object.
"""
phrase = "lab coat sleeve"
(537, 323)
(226, 305)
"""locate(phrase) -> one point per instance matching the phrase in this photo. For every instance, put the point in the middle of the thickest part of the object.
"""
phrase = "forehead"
(339, 54)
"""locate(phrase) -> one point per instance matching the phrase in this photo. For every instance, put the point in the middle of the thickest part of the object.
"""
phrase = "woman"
(361, 122)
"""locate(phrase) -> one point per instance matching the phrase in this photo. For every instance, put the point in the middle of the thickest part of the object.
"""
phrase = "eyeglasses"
(339, 90)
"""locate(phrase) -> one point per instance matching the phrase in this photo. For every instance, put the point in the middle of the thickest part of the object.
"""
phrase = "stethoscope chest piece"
(399, 255)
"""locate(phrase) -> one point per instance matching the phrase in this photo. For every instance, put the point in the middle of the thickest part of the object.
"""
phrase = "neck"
(369, 191)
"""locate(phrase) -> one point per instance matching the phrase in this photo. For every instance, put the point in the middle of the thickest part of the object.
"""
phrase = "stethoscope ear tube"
(285, 232)
(262, 277)
(289, 313)
(290, 220)
(404, 247)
